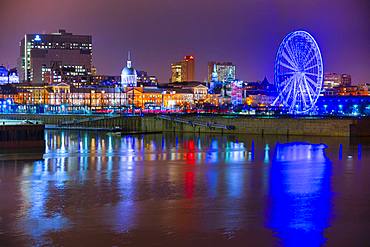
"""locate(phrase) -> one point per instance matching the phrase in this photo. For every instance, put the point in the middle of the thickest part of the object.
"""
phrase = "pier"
(21, 134)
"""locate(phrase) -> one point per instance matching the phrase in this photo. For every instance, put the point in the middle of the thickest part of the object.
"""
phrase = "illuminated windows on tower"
(63, 56)
(183, 70)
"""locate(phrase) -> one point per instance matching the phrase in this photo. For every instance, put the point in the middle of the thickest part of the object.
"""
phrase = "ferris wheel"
(298, 72)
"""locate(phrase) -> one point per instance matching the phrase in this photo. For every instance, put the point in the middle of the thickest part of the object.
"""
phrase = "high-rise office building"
(176, 72)
(226, 71)
(55, 57)
(183, 70)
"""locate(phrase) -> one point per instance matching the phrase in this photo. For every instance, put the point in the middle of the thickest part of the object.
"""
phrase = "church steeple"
(129, 63)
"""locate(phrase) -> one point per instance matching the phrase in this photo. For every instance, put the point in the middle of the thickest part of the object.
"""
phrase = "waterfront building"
(178, 98)
(56, 57)
(8, 92)
(128, 74)
(13, 76)
(226, 71)
(183, 70)
(361, 90)
(4, 75)
(236, 93)
(8, 76)
(346, 80)
(143, 79)
(258, 94)
(344, 105)
(166, 98)
(103, 81)
(63, 97)
(198, 89)
(143, 96)
(332, 80)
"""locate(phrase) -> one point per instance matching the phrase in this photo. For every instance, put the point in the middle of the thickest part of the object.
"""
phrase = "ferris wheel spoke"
(311, 67)
(287, 66)
(286, 84)
(308, 89)
(309, 73)
(291, 53)
(289, 60)
(308, 54)
(287, 73)
(315, 84)
(310, 60)
(303, 95)
(289, 93)
(294, 93)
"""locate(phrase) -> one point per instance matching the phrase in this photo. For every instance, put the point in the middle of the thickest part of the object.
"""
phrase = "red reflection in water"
(190, 155)
(189, 184)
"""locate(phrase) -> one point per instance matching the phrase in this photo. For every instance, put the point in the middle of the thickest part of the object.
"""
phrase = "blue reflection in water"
(252, 150)
(37, 220)
(340, 152)
(235, 152)
(359, 152)
(212, 152)
(300, 194)
(266, 158)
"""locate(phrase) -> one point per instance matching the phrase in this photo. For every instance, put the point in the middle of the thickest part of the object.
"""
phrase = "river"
(100, 189)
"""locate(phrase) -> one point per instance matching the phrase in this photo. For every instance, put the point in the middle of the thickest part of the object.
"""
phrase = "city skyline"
(250, 44)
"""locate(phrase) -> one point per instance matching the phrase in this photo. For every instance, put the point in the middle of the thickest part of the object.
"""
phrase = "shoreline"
(220, 124)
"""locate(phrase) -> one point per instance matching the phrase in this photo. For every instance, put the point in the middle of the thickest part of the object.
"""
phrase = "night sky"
(159, 32)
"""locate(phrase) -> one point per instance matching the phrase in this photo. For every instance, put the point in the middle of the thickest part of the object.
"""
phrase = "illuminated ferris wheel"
(298, 72)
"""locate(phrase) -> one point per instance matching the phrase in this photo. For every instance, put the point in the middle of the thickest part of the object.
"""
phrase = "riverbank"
(221, 124)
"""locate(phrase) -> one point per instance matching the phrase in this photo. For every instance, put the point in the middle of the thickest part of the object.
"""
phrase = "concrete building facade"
(55, 57)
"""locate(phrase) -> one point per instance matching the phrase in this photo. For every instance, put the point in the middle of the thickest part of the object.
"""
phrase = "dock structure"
(203, 123)
(194, 123)
(20, 134)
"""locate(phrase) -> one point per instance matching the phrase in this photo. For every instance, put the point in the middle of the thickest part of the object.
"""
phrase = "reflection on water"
(171, 189)
(300, 194)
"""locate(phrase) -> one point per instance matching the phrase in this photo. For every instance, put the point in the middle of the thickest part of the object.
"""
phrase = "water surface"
(98, 189)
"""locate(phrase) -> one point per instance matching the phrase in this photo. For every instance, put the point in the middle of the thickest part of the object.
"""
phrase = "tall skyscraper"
(183, 70)
(55, 57)
(225, 71)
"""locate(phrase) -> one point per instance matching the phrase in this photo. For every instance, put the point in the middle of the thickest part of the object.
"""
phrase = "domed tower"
(128, 74)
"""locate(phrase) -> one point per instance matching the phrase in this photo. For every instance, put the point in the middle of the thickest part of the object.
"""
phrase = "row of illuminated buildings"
(64, 97)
